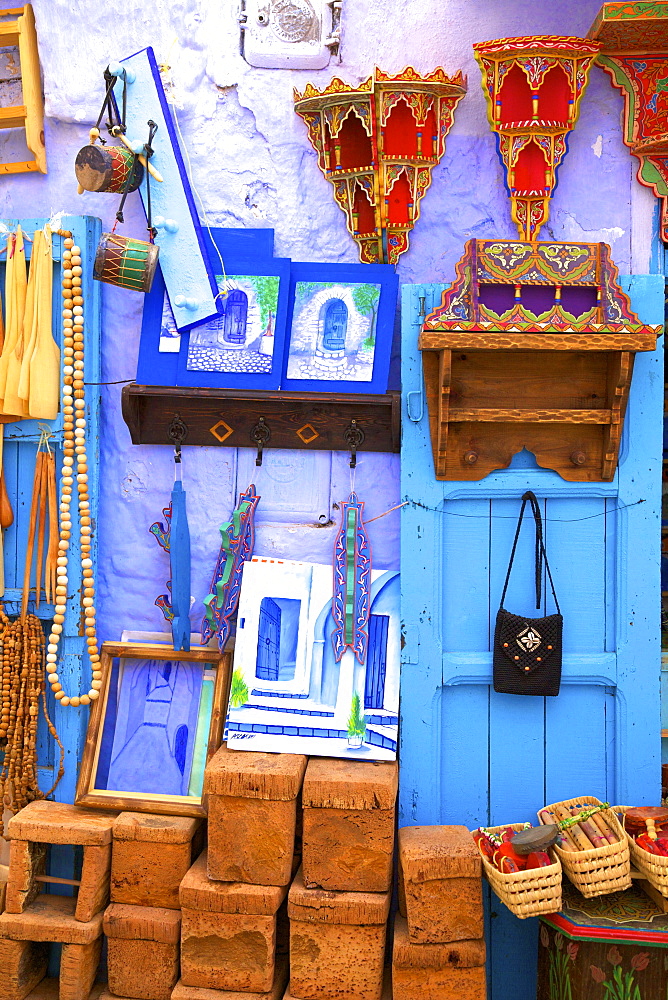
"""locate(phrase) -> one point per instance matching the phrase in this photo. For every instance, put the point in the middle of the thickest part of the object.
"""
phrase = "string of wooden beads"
(22, 649)
(74, 448)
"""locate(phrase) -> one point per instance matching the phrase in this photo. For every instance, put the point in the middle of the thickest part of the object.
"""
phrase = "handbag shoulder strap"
(540, 553)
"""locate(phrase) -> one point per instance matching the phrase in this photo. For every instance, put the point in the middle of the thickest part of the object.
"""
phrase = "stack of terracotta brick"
(150, 857)
(339, 901)
(233, 942)
(439, 948)
(33, 920)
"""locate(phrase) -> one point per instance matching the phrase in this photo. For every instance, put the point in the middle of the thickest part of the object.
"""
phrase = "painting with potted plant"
(294, 690)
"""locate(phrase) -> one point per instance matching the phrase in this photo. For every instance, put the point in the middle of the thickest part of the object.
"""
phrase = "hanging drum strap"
(152, 129)
(114, 123)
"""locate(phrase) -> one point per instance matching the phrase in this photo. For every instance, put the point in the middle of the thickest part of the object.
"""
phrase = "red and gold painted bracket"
(533, 88)
(634, 51)
(377, 144)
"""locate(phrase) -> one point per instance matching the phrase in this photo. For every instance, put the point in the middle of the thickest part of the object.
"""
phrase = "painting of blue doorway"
(277, 638)
(296, 697)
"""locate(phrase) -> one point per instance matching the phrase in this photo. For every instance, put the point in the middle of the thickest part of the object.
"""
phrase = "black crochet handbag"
(527, 651)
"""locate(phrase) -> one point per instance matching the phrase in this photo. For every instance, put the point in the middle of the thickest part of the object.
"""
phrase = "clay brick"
(385, 995)
(435, 852)
(183, 992)
(437, 971)
(93, 893)
(349, 815)
(78, 966)
(251, 840)
(151, 854)
(199, 892)
(26, 861)
(252, 806)
(441, 887)
(23, 965)
(239, 773)
(50, 918)
(225, 951)
(337, 943)
(142, 950)
(48, 822)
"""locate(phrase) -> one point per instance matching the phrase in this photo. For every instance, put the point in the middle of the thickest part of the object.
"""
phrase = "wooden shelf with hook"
(311, 421)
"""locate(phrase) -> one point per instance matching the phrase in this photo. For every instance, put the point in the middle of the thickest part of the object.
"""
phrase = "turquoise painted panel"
(19, 463)
(498, 758)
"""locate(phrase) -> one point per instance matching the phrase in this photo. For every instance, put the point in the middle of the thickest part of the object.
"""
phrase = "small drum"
(107, 168)
(123, 261)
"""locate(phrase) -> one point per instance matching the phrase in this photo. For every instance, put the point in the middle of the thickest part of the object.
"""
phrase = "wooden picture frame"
(88, 794)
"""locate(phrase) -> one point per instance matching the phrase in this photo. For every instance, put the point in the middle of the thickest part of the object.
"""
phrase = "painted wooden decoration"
(634, 40)
(174, 538)
(532, 347)
(352, 572)
(238, 542)
(18, 32)
(611, 946)
(533, 88)
(377, 144)
(188, 273)
(493, 756)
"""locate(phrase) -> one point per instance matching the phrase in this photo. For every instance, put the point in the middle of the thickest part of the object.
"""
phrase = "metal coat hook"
(177, 432)
(354, 437)
(260, 435)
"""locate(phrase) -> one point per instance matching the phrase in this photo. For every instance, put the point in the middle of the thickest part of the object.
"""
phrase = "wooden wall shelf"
(301, 420)
(532, 375)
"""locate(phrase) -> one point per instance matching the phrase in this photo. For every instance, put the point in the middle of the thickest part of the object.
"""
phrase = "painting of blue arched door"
(334, 318)
(376, 661)
(268, 640)
(236, 313)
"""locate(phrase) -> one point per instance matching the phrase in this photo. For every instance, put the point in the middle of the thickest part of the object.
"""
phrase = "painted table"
(608, 948)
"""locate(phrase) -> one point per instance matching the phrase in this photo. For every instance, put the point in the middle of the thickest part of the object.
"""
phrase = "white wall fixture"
(289, 34)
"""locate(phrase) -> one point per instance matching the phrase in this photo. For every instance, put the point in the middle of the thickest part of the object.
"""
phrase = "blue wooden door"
(335, 323)
(472, 756)
(236, 311)
(376, 661)
(268, 640)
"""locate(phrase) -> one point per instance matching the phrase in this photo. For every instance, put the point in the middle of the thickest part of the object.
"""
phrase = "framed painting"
(160, 341)
(340, 326)
(289, 692)
(157, 721)
(243, 347)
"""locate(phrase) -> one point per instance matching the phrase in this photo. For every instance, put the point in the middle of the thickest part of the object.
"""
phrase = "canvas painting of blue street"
(241, 339)
(333, 334)
(288, 692)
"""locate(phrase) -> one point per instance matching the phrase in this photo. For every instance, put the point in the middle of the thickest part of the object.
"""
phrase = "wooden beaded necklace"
(21, 686)
(74, 446)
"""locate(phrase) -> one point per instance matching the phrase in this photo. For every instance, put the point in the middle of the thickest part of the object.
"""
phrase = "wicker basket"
(652, 866)
(601, 870)
(529, 893)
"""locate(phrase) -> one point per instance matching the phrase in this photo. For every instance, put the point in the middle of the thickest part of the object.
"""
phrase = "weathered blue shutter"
(469, 755)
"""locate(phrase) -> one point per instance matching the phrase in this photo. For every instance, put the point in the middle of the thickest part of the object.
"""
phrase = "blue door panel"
(376, 661)
(470, 755)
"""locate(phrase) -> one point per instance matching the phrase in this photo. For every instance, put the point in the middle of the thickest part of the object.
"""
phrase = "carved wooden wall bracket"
(532, 347)
(533, 88)
(377, 144)
(634, 40)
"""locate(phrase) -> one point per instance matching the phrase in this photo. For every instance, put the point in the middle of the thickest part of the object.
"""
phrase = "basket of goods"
(647, 833)
(594, 849)
(520, 867)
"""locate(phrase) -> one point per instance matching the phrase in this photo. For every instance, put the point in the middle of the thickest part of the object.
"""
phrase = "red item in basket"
(652, 846)
(508, 866)
(508, 852)
(538, 859)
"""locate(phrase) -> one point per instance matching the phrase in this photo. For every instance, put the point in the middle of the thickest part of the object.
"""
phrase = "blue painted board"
(470, 755)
